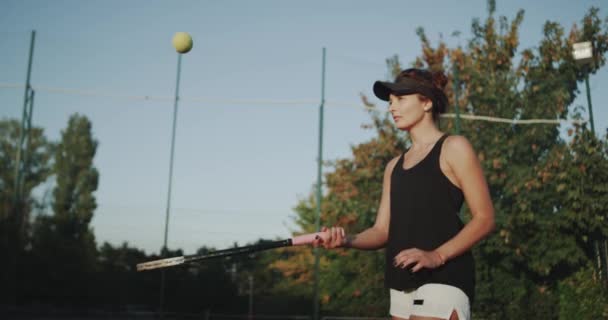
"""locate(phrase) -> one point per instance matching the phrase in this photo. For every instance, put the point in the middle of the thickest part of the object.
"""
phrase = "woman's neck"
(424, 134)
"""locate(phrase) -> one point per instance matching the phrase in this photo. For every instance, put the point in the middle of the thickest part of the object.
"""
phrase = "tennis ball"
(182, 42)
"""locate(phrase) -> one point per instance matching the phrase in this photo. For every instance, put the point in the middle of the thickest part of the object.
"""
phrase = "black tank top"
(424, 214)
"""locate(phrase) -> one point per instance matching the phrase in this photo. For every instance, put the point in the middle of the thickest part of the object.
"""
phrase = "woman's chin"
(403, 127)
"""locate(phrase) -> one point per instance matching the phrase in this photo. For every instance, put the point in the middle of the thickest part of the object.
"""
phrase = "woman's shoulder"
(456, 146)
(391, 164)
(457, 143)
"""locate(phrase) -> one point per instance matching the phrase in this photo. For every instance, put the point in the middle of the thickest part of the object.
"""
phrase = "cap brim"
(383, 90)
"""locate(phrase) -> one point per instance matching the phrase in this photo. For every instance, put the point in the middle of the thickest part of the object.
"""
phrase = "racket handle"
(162, 263)
(305, 238)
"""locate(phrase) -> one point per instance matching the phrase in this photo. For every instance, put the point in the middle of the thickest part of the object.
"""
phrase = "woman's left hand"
(418, 258)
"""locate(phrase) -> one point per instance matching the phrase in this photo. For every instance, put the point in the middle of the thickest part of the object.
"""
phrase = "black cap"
(403, 86)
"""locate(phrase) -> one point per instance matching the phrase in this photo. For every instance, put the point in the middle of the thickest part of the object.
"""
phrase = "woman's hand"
(333, 237)
(419, 259)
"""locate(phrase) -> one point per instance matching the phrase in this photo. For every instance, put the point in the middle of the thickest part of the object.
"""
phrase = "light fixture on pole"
(182, 42)
(583, 55)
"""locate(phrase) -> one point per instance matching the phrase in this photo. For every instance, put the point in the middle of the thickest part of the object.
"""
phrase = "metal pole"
(315, 301)
(15, 219)
(24, 119)
(250, 297)
(164, 249)
(27, 129)
(602, 262)
(589, 101)
(456, 108)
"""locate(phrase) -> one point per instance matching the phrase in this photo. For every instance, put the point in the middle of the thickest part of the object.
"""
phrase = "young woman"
(429, 266)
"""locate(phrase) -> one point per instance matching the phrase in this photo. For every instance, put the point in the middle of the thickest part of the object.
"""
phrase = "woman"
(429, 266)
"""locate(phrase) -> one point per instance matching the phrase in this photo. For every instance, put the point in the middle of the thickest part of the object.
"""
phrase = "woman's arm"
(372, 238)
(466, 169)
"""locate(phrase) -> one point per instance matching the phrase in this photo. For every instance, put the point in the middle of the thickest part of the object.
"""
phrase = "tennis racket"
(170, 262)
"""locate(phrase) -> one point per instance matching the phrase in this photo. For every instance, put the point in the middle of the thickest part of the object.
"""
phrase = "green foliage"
(351, 281)
(64, 242)
(118, 283)
(60, 265)
(76, 177)
(582, 296)
(550, 193)
(36, 168)
(15, 211)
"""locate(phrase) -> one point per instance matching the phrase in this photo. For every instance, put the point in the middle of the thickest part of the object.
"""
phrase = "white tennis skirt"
(430, 300)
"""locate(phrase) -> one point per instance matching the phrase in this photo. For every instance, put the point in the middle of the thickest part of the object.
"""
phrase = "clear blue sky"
(246, 143)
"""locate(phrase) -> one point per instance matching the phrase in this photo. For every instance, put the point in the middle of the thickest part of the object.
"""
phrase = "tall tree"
(549, 192)
(76, 177)
(16, 211)
(64, 242)
(351, 280)
(540, 241)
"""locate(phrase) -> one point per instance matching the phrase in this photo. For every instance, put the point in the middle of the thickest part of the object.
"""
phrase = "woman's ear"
(428, 106)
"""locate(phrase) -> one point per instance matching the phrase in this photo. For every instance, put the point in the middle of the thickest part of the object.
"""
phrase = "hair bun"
(439, 79)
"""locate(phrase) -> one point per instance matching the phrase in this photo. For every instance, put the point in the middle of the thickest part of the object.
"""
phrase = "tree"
(15, 212)
(64, 242)
(351, 281)
(543, 239)
(549, 192)
(76, 177)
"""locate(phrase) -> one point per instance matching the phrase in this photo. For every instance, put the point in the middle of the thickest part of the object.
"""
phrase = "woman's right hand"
(333, 237)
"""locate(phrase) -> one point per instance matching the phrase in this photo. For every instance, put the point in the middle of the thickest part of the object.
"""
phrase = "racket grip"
(305, 238)
(162, 263)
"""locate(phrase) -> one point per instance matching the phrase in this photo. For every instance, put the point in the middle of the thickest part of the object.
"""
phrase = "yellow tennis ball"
(182, 42)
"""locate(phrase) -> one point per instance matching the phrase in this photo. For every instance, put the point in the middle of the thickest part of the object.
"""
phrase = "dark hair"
(436, 79)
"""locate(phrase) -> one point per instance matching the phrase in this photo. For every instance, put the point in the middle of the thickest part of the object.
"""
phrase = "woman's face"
(407, 110)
